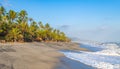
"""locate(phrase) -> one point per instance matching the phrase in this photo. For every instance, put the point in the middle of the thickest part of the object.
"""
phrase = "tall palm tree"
(12, 15)
(2, 10)
(2, 13)
(33, 29)
(23, 23)
(47, 27)
(23, 13)
(24, 29)
(16, 26)
(23, 16)
(41, 26)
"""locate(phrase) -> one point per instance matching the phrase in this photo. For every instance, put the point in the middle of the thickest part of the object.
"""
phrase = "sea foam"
(108, 58)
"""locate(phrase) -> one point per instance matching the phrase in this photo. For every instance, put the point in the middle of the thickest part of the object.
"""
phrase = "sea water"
(102, 55)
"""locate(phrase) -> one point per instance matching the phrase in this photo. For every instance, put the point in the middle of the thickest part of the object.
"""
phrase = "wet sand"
(38, 56)
(66, 63)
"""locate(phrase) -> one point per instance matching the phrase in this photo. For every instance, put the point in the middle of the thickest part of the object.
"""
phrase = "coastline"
(35, 55)
(67, 63)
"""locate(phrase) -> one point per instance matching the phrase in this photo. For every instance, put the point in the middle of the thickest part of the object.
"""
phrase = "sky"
(96, 20)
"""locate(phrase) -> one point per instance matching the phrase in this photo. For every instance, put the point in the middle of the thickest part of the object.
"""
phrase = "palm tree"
(41, 26)
(23, 16)
(12, 15)
(4, 27)
(2, 10)
(23, 13)
(48, 27)
(31, 20)
(48, 31)
(13, 34)
(24, 29)
(16, 26)
(62, 36)
(33, 30)
(2, 13)
(23, 23)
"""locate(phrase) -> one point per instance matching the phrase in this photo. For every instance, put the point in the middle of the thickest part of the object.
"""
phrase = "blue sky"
(97, 20)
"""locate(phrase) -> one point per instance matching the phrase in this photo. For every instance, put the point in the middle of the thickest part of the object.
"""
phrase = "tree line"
(18, 27)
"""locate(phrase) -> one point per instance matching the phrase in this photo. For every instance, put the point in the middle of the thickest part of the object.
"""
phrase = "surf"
(105, 55)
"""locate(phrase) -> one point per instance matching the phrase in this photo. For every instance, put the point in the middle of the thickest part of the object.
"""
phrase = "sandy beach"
(38, 56)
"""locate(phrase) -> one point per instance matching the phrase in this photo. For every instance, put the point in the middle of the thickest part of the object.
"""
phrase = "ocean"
(101, 55)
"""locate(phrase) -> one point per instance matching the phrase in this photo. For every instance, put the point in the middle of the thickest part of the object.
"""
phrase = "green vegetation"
(18, 27)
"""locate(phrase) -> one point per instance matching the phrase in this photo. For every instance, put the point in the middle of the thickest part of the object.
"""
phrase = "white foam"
(109, 58)
(109, 52)
(95, 60)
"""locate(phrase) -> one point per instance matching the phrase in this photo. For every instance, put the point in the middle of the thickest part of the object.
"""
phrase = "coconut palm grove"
(18, 27)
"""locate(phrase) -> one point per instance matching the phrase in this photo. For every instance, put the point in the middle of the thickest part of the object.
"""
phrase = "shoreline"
(67, 63)
(35, 55)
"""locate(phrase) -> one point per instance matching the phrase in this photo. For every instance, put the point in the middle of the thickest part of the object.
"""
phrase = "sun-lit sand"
(33, 55)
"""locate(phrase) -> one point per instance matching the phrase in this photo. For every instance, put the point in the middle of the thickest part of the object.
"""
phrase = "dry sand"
(33, 55)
